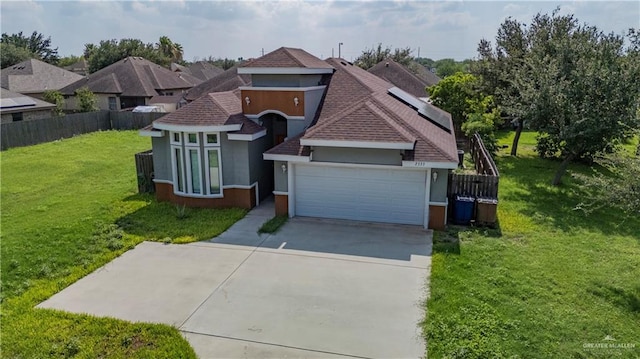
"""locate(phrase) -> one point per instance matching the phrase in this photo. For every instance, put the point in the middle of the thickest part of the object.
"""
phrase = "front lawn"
(69, 207)
(550, 282)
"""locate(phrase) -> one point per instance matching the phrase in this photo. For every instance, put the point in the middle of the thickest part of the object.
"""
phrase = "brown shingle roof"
(135, 76)
(35, 76)
(204, 70)
(352, 86)
(229, 80)
(400, 76)
(215, 109)
(288, 57)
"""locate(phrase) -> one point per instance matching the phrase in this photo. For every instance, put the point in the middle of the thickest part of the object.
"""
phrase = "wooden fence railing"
(484, 184)
(481, 157)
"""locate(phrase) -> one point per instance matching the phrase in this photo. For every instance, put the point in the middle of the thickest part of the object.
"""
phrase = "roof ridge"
(378, 107)
(292, 56)
(413, 129)
(336, 117)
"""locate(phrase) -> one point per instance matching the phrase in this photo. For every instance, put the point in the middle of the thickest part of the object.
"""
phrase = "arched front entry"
(276, 126)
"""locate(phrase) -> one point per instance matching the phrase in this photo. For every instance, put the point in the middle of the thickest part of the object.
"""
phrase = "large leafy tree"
(87, 100)
(448, 67)
(36, 44)
(576, 85)
(370, 57)
(470, 109)
(108, 52)
(11, 55)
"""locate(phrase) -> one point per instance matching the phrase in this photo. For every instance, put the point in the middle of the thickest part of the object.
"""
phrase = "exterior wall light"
(296, 101)
(434, 176)
(284, 168)
(247, 100)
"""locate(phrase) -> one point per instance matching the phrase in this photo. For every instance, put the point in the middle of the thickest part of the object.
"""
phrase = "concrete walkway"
(316, 289)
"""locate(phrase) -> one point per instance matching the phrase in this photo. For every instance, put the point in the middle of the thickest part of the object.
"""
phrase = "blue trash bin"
(463, 210)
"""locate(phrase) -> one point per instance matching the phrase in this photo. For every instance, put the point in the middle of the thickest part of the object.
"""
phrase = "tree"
(224, 64)
(108, 52)
(448, 67)
(56, 98)
(619, 188)
(86, 99)
(36, 44)
(170, 49)
(370, 57)
(69, 60)
(470, 110)
(578, 89)
(12, 55)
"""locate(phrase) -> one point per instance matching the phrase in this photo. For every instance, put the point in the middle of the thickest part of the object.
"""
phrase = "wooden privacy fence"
(27, 133)
(485, 183)
(481, 157)
(144, 171)
(478, 186)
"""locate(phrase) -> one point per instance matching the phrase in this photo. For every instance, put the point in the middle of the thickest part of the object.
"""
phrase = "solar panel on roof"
(425, 110)
(16, 102)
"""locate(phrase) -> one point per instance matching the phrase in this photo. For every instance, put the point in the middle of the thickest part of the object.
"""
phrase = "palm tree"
(170, 49)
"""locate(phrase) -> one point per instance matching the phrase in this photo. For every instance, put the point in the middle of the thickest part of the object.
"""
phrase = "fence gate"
(144, 171)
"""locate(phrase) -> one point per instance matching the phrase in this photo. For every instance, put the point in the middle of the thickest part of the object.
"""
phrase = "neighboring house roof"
(287, 57)
(400, 76)
(359, 107)
(214, 109)
(81, 67)
(14, 102)
(424, 73)
(35, 76)
(204, 70)
(133, 77)
(228, 80)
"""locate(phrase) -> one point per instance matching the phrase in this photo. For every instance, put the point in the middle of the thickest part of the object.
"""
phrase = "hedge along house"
(326, 138)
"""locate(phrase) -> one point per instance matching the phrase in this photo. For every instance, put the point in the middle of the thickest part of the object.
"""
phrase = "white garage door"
(363, 194)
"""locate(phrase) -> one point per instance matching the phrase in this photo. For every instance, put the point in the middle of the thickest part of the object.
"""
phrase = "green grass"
(272, 225)
(545, 283)
(69, 207)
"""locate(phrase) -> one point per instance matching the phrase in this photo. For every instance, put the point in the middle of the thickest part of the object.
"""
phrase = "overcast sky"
(243, 28)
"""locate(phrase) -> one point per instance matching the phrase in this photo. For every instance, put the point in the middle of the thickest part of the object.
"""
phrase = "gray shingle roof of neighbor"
(214, 109)
(35, 76)
(135, 77)
(228, 80)
(402, 77)
(15, 102)
(288, 57)
(204, 70)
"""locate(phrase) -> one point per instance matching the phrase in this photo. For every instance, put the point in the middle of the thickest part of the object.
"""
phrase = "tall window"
(196, 164)
(112, 104)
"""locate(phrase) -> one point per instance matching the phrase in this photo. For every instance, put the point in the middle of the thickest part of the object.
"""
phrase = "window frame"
(202, 148)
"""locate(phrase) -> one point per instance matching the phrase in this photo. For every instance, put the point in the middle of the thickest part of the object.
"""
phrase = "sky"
(233, 29)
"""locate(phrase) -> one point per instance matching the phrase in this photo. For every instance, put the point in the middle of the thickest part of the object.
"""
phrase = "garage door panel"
(379, 195)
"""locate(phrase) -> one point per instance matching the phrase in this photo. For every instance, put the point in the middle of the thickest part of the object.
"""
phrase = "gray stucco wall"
(312, 100)
(369, 156)
(439, 187)
(285, 80)
(235, 162)
(161, 158)
(295, 127)
(281, 178)
(260, 171)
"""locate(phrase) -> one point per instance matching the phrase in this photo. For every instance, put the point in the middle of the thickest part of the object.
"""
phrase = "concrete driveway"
(317, 288)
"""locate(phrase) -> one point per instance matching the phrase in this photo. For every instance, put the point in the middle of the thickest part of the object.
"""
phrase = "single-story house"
(128, 83)
(33, 77)
(18, 107)
(324, 137)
